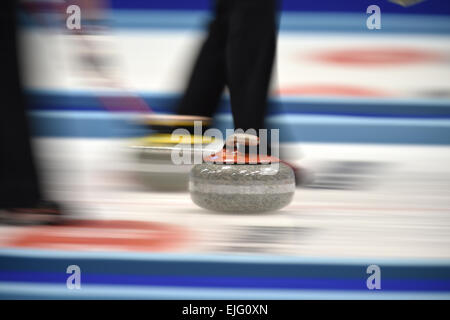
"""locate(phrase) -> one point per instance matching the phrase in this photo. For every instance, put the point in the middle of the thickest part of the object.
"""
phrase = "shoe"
(44, 212)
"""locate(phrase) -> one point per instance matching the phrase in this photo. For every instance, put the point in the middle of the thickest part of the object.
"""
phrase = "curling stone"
(155, 168)
(241, 182)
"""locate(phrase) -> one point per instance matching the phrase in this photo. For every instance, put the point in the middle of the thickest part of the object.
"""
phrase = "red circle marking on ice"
(331, 90)
(109, 235)
(377, 56)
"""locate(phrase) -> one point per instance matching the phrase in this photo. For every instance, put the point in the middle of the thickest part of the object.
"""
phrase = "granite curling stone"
(154, 167)
(241, 182)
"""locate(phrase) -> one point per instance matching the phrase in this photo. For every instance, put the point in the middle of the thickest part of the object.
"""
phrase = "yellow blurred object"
(169, 139)
(406, 3)
(175, 120)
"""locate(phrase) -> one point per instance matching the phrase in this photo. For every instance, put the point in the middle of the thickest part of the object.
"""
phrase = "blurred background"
(365, 113)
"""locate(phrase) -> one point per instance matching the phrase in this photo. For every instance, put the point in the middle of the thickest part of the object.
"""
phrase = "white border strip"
(19, 290)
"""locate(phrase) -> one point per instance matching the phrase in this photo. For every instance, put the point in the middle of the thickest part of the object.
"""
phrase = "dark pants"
(238, 53)
(18, 179)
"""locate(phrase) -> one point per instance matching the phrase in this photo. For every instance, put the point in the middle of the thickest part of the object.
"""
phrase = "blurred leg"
(250, 54)
(207, 79)
(18, 179)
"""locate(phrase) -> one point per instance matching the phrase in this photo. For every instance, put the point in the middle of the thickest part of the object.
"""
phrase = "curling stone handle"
(242, 139)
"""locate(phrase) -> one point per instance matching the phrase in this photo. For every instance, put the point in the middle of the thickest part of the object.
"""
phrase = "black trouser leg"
(18, 179)
(238, 52)
(250, 53)
(207, 79)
